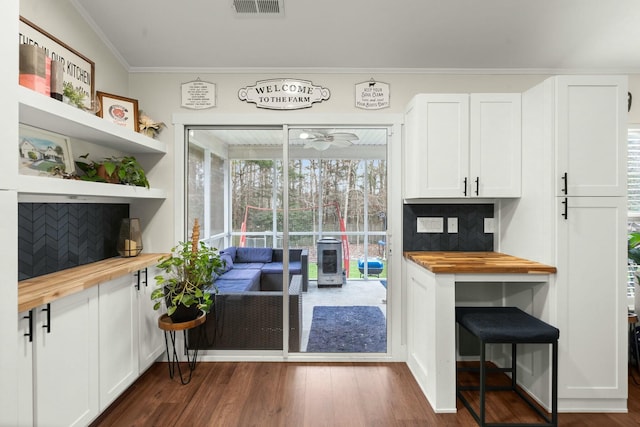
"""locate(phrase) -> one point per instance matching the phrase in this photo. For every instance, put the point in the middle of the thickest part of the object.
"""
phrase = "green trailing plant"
(75, 97)
(131, 172)
(187, 277)
(122, 170)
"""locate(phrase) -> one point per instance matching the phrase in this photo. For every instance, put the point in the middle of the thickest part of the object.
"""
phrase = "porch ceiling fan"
(321, 140)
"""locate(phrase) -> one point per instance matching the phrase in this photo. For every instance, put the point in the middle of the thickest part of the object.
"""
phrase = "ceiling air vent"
(259, 7)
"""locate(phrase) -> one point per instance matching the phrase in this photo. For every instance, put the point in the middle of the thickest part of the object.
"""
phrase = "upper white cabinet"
(591, 151)
(461, 145)
(436, 146)
(47, 113)
(495, 145)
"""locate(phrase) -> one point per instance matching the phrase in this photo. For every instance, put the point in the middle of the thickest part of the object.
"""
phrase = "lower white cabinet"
(118, 338)
(591, 283)
(85, 350)
(25, 369)
(150, 338)
(417, 321)
(59, 368)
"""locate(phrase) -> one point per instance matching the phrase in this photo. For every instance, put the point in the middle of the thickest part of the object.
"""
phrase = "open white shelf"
(47, 113)
(35, 185)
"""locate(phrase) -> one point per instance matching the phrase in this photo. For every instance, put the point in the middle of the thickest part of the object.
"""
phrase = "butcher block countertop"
(49, 287)
(476, 262)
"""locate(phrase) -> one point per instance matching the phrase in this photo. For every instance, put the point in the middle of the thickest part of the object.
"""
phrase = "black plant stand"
(166, 324)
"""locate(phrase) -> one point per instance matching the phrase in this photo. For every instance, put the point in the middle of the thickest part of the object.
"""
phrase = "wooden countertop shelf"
(49, 287)
(451, 262)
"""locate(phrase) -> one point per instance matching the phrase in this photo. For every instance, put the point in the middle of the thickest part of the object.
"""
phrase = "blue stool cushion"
(505, 324)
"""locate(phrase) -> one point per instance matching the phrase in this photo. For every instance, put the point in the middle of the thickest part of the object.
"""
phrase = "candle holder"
(130, 237)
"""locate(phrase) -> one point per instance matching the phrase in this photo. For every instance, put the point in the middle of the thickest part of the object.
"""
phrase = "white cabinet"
(591, 298)
(65, 360)
(460, 145)
(591, 129)
(431, 334)
(575, 125)
(590, 143)
(130, 340)
(495, 145)
(118, 338)
(436, 144)
(25, 369)
(150, 337)
(97, 344)
(418, 318)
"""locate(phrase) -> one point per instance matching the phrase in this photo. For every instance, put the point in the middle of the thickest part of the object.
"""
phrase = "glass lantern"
(130, 237)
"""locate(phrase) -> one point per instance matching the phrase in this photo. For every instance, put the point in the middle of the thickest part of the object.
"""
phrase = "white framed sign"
(78, 69)
(372, 95)
(198, 95)
(284, 94)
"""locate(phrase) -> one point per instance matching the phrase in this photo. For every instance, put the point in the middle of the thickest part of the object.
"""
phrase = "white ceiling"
(578, 35)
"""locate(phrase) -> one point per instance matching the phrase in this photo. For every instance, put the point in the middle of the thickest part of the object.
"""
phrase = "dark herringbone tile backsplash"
(56, 236)
(470, 235)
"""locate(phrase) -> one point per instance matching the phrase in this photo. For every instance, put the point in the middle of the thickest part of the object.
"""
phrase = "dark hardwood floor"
(313, 394)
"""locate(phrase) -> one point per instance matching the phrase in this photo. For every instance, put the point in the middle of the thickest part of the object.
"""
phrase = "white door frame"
(396, 297)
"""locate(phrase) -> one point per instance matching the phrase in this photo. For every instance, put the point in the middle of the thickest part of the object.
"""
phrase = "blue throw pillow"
(231, 250)
(254, 254)
(227, 263)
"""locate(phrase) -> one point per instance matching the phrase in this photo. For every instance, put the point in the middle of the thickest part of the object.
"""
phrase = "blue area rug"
(349, 329)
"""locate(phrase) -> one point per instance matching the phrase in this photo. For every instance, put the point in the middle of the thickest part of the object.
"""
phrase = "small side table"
(166, 324)
(633, 339)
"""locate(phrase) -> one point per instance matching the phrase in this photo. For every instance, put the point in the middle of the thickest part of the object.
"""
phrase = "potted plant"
(114, 170)
(187, 280)
(131, 173)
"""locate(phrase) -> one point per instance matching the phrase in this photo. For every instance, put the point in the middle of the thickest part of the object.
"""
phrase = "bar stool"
(507, 325)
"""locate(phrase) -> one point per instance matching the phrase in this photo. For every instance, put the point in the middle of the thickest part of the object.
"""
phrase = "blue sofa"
(247, 311)
(259, 269)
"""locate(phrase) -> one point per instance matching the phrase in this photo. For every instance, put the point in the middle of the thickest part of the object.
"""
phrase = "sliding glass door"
(331, 200)
(337, 211)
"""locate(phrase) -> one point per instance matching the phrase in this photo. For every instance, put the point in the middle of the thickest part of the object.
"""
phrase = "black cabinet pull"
(566, 204)
(146, 277)
(137, 274)
(47, 326)
(477, 185)
(564, 187)
(30, 333)
(465, 185)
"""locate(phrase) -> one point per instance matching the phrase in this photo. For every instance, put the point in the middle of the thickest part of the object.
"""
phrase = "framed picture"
(44, 153)
(119, 110)
(78, 69)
